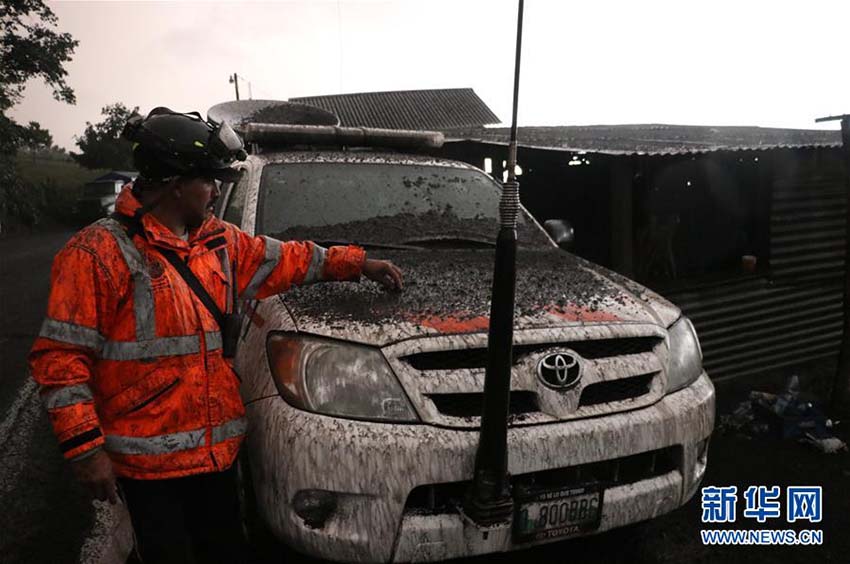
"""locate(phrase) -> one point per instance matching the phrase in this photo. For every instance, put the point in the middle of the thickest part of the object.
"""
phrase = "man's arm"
(62, 359)
(267, 266)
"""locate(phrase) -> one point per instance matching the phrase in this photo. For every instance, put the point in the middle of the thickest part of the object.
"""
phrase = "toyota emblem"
(560, 371)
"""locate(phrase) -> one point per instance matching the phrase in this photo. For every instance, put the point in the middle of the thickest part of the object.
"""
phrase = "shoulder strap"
(133, 226)
(183, 269)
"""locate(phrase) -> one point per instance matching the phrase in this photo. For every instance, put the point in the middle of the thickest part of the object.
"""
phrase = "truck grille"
(446, 498)
(521, 402)
(616, 390)
(477, 357)
(470, 405)
(446, 381)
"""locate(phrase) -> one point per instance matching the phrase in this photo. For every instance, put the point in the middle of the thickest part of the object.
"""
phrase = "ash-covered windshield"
(383, 203)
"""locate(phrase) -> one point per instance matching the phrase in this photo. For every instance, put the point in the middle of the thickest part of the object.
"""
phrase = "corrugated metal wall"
(757, 325)
(793, 313)
(807, 229)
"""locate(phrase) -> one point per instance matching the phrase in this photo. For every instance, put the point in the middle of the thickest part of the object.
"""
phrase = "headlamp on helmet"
(224, 143)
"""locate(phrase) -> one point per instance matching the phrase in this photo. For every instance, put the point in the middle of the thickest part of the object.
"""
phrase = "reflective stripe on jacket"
(130, 360)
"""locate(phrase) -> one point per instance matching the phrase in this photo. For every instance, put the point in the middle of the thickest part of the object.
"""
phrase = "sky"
(721, 62)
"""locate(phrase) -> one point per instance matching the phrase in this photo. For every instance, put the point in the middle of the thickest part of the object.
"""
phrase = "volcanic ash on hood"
(449, 290)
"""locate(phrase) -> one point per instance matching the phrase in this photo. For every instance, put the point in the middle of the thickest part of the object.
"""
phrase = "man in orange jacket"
(131, 359)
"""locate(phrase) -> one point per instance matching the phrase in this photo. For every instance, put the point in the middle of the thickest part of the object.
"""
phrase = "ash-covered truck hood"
(448, 292)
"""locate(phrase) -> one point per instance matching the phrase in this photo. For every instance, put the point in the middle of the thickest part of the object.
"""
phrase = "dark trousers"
(187, 520)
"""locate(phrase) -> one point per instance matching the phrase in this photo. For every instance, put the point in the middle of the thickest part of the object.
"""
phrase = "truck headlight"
(685, 364)
(334, 378)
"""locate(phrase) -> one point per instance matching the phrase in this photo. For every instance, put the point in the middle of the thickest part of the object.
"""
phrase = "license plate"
(557, 513)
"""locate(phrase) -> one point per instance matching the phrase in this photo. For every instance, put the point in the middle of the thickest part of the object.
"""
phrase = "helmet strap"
(134, 223)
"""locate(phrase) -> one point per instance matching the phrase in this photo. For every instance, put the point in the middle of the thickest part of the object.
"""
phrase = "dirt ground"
(44, 513)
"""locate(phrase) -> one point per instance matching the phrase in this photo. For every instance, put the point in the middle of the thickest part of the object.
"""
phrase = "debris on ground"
(829, 445)
(784, 416)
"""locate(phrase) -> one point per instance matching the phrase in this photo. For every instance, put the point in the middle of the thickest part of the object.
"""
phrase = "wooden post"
(622, 216)
(763, 209)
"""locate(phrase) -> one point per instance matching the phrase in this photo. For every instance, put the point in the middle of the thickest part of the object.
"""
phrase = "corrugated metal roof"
(652, 139)
(411, 109)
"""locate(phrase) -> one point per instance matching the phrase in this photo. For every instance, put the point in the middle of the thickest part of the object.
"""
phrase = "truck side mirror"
(561, 231)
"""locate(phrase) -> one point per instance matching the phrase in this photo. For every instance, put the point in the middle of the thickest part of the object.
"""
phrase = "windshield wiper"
(366, 244)
(452, 242)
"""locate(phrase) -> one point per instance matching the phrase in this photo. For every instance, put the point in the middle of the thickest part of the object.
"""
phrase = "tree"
(30, 47)
(10, 138)
(34, 138)
(101, 145)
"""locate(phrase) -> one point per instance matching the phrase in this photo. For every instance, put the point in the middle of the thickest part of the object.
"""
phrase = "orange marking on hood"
(257, 319)
(453, 324)
(573, 312)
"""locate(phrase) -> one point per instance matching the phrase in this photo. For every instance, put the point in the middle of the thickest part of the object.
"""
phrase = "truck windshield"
(420, 205)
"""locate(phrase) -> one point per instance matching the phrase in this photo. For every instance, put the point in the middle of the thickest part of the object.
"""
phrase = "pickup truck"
(364, 405)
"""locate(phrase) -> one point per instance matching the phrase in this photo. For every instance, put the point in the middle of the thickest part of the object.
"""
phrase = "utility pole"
(840, 400)
(489, 500)
(234, 80)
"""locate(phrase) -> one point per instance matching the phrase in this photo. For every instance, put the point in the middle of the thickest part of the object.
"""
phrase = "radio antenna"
(489, 500)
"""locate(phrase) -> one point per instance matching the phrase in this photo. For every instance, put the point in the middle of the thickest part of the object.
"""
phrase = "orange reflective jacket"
(129, 359)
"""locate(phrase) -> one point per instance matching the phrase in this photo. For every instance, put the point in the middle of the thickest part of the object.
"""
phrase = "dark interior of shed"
(696, 218)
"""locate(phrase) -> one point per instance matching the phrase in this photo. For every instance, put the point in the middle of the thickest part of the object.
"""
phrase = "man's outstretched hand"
(95, 472)
(383, 272)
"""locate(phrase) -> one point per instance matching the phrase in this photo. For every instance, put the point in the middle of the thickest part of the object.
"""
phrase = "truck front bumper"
(370, 470)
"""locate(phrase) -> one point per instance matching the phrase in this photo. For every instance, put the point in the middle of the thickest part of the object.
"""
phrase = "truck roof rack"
(265, 123)
(265, 134)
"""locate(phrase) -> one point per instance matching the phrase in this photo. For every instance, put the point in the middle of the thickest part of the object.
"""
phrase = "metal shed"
(743, 227)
